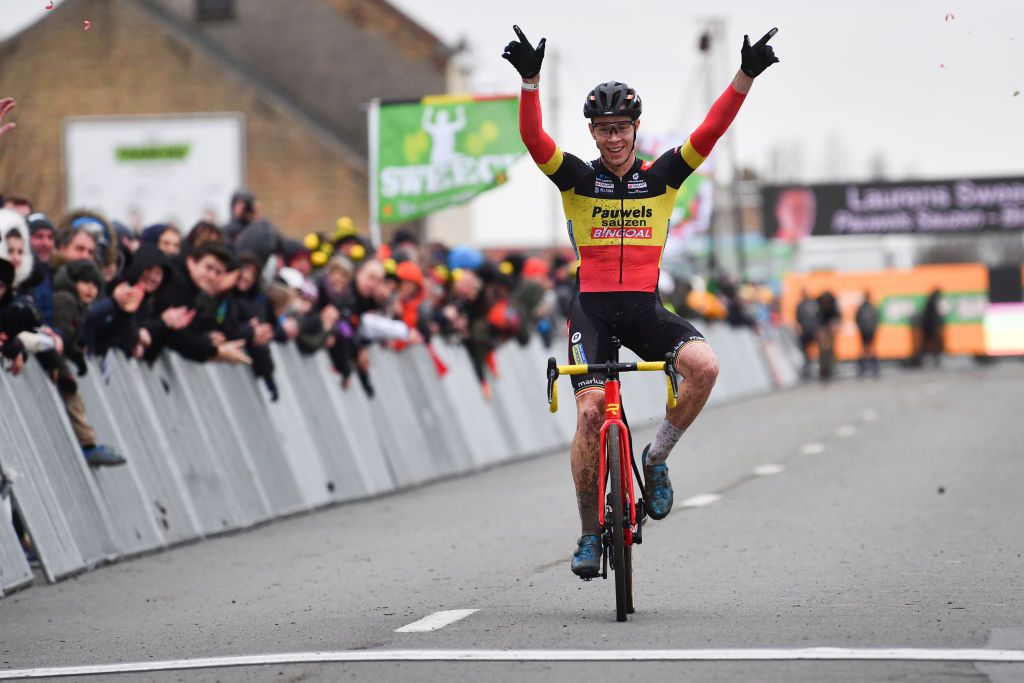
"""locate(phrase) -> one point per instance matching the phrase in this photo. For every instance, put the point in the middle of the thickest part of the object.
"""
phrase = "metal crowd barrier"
(208, 452)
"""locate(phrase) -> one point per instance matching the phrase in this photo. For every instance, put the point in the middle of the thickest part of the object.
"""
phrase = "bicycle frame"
(613, 415)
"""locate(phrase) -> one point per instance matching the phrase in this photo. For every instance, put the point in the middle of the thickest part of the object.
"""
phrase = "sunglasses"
(606, 130)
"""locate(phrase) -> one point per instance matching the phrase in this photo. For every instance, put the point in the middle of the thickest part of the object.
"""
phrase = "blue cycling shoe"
(658, 488)
(586, 561)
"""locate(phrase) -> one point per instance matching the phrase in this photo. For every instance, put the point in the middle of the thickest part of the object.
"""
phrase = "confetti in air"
(87, 24)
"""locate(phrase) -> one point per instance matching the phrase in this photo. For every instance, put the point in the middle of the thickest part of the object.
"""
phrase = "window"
(215, 10)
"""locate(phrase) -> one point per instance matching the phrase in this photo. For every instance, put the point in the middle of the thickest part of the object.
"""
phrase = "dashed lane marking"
(804, 654)
(812, 449)
(437, 620)
(700, 500)
(768, 470)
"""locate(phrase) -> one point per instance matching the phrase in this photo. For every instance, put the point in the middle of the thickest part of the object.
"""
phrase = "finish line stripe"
(805, 654)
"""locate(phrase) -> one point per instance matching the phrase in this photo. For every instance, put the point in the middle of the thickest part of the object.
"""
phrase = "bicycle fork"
(613, 415)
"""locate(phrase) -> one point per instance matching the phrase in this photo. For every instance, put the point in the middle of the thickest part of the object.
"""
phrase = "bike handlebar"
(554, 370)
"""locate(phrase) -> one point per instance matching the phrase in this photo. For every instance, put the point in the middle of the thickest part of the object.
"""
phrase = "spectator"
(297, 256)
(933, 324)
(10, 347)
(261, 239)
(412, 298)
(75, 287)
(405, 246)
(42, 241)
(807, 327)
(867, 325)
(243, 212)
(75, 244)
(14, 239)
(254, 309)
(127, 318)
(828, 320)
(127, 240)
(166, 238)
(534, 300)
(187, 308)
(13, 321)
(73, 227)
(564, 281)
(201, 232)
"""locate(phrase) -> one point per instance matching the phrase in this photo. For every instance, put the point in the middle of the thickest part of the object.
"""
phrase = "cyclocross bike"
(622, 515)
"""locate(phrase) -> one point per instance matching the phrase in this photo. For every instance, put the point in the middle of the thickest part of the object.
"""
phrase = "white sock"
(666, 438)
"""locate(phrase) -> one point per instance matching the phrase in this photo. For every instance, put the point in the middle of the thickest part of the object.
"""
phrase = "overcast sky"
(931, 94)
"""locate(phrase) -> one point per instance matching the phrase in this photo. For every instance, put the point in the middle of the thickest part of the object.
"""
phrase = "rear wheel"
(618, 548)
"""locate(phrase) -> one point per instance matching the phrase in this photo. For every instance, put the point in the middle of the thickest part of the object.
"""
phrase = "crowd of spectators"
(85, 285)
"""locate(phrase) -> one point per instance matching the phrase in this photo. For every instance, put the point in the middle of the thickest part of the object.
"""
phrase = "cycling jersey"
(618, 225)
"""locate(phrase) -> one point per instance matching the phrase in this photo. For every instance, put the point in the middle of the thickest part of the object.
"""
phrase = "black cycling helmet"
(611, 98)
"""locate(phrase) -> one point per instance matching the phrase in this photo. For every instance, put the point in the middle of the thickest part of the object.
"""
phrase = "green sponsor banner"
(960, 308)
(153, 153)
(443, 151)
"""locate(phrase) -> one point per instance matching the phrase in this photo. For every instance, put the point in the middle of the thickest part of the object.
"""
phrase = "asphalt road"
(895, 521)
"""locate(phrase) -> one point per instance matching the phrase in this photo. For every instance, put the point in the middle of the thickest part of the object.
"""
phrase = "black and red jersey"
(618, 225)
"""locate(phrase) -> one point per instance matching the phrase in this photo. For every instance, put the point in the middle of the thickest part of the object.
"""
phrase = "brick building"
(299, 71)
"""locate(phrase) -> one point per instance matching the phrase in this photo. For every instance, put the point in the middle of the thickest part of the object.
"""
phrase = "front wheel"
(623, 583)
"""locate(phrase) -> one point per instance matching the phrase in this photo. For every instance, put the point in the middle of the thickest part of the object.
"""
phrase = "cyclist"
(617, 210)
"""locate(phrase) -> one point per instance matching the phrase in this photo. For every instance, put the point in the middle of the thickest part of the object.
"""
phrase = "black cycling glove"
(525, 57)
(759, 56)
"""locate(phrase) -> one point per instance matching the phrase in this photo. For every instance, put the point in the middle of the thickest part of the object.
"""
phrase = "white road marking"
(812, 449)
(700, 500)
(437, 620)
(833, 654)
(846, 430)
(768, 470)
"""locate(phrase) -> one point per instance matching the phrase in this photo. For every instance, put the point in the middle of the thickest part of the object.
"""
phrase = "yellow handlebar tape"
(644, 366)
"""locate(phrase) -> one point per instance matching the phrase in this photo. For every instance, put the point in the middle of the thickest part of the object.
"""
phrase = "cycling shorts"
(638, 319)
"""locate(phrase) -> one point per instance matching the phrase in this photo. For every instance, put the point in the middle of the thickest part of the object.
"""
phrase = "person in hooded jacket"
(251, 307)
(127, 319)
(14, 246)
(188, 307)
(75, 287)
(12, 349)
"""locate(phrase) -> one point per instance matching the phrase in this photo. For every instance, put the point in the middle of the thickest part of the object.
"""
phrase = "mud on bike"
(620, 512)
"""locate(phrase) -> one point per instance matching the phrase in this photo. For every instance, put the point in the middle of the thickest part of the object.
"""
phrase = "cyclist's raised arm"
(527, 60)
(755, 59)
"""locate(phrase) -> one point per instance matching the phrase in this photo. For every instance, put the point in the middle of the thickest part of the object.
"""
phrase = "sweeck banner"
(442, 150)
(930, 207)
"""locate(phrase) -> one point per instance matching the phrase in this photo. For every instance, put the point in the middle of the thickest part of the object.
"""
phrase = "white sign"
(155, 169)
